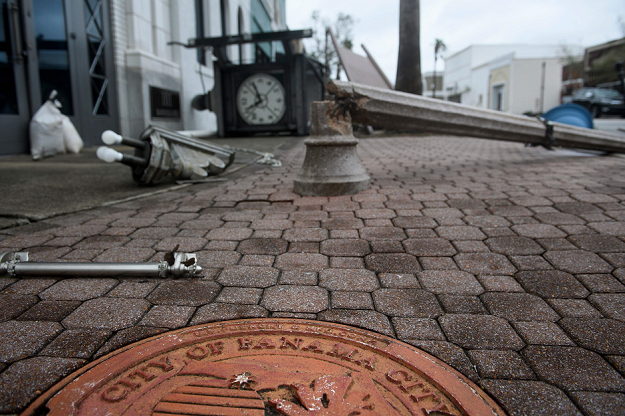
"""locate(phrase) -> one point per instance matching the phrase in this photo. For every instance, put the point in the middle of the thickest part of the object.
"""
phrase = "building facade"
(599, 64)
(433, 86)
(118, 64)
(513, 78)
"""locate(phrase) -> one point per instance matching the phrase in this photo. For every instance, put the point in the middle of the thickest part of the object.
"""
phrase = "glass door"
(14, 101)
(75, 57)
(61, 45)
(52, 46)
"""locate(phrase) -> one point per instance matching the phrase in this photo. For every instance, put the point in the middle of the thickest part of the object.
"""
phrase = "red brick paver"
(507, 263)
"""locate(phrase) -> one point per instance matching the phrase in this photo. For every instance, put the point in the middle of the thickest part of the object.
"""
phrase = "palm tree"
(409, 56)
(439, 48)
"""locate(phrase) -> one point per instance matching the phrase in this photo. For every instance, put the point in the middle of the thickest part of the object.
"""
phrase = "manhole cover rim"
(462, 391)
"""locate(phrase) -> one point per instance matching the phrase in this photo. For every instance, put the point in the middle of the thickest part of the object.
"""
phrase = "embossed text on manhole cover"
(267, 367)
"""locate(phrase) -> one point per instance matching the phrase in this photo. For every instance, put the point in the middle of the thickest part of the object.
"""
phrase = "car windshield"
(608, 94)
(599, 93)
(582, 93)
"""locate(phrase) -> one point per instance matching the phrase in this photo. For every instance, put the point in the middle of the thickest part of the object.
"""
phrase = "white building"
(112, 64)
(432, 87)
(511, 78)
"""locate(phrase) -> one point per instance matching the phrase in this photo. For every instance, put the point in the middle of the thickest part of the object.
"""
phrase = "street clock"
(269, 96)
(261, 100)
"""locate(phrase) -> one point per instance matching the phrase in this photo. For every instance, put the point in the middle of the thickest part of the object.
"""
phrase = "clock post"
(272, 94)
(331, 165)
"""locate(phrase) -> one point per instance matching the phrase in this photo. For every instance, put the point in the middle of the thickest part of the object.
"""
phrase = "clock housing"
(244, 109)
(277, 56)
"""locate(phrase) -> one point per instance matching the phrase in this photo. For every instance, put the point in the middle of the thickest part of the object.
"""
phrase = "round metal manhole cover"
(267, 367)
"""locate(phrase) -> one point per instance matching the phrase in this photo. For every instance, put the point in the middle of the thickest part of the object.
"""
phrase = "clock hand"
(253, 105)
(262, 101)
(257, 93)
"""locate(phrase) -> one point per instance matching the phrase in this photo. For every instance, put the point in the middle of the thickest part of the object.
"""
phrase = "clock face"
(261, 100)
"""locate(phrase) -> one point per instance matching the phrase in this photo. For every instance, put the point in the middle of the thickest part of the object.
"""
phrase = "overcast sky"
(463, 23)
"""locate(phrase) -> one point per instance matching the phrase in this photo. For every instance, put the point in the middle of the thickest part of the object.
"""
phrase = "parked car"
(600, 101)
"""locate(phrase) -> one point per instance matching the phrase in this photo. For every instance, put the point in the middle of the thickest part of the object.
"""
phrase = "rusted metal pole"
(397, 110)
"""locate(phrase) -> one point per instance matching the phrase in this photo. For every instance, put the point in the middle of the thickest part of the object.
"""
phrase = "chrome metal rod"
(88, 269)
(177, 265)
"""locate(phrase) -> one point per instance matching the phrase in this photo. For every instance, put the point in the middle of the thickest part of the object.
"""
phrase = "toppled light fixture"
(331, 166)
(175, 265)
(161, 151)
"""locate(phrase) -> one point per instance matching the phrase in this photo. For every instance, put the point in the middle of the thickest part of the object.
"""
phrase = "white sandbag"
(46, 130)
(71, 138)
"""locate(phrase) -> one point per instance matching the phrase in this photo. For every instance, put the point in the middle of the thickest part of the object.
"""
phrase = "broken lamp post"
(331, 166)
(161, 151)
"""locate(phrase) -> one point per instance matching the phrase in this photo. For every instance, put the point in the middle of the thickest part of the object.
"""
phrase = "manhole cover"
(267, 367)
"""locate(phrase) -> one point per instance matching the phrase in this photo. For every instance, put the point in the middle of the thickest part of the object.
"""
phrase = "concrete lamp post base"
(331, 166)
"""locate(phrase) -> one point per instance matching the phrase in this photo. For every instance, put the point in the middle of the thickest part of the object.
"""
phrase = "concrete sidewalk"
(66, 183)
(505, 262)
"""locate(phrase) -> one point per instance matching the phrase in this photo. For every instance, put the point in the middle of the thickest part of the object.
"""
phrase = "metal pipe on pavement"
(31, 269)
(178, 265)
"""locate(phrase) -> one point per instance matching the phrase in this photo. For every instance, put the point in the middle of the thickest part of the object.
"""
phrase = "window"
(223, 6)
(199, 29)
(261, 22)
(240, 25)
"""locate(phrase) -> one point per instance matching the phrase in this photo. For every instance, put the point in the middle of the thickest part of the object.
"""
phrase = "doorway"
(61, 45)
(498, 97)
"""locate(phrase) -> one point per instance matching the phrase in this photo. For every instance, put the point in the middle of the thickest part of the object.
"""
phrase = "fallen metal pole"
(161, 151)
(179, 265)
(401, 111)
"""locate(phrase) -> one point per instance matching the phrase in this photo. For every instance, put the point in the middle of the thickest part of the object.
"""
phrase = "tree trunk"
(409, 56)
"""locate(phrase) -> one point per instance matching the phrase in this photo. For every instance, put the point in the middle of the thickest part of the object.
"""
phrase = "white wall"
(468, 72)
(478, 96)
(192, 73)
(457, 74)
(119, 33)
(141, 30)
(527, 81)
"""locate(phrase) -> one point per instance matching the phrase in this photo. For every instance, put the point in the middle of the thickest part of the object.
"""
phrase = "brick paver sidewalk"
(506, 263)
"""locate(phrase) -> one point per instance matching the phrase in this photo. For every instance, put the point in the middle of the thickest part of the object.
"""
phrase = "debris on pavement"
(16, 264)
(161, 151)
